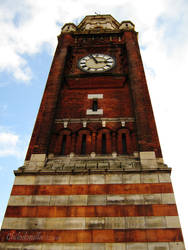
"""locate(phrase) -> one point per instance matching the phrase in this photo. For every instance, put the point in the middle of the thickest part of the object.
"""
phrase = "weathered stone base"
(94, 246)
(83, 203)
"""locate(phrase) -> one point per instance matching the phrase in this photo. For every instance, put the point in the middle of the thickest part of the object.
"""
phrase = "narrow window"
(64, 144)
(95, 105)
(124, 145)
(83, 145)
(103, 143)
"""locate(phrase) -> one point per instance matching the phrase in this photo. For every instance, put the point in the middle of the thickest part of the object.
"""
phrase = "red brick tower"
(94, 177)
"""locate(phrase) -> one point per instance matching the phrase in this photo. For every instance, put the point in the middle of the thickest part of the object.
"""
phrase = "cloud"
(27, 25)
(10, 144)
(22, 34)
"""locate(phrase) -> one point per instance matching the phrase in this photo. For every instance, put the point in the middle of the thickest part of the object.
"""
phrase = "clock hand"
(93, 58)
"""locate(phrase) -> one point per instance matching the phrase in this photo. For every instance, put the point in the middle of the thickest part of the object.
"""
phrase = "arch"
(104, 141)
(83, 141)
(124, 142)
(63, 142)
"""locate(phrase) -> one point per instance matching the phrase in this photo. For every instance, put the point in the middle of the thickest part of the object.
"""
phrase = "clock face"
(96, 63)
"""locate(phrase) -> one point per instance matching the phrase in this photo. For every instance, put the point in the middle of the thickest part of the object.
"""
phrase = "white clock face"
(96, 63)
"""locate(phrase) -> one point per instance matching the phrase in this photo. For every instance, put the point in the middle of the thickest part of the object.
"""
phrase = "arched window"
(64, 144)
(83, 142)
(124, 144)
(104, 141)
(61, 142)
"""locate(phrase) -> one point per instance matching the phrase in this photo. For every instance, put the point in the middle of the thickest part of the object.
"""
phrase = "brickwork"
(146, 128)
(125, 92)
(94, 177)
(42, 129)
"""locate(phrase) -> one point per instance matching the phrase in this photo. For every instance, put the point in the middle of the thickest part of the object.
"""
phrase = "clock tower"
(94, 176)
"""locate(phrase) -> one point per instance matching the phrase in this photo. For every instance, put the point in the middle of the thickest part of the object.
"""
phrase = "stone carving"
(126, 25)
(88, 164)
(92, 164)
(105, 22)
(68, 27)
(99, 24)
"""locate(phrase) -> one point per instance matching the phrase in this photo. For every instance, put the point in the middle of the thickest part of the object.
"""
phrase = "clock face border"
(95, 71)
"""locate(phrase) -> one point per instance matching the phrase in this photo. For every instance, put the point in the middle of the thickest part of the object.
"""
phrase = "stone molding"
(97, 164)
(90, 120)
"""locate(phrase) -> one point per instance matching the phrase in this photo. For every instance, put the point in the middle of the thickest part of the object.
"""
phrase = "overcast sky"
(28, 38)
